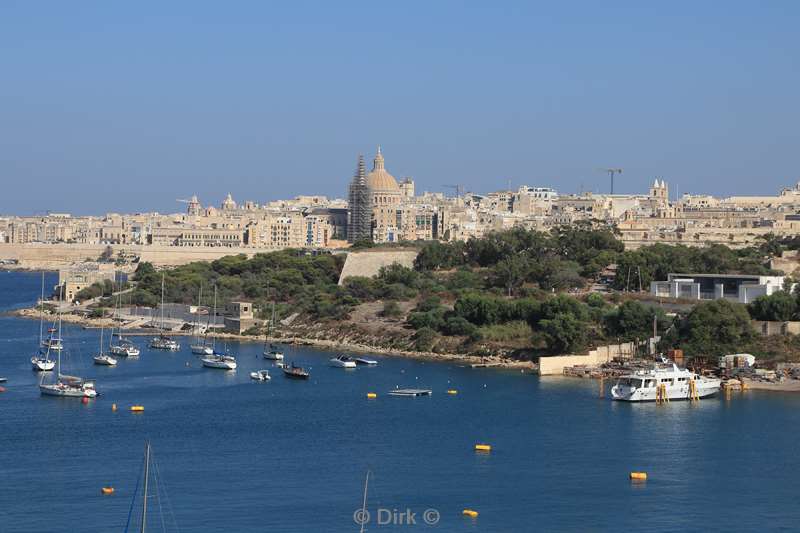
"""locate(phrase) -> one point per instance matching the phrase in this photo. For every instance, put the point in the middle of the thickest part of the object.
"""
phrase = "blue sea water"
(236, 455)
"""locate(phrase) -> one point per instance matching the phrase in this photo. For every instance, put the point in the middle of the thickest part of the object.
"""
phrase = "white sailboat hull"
(202, 350)
(342, 364)
(42, 365)
(125, 351)
(222, 364)
(58, 389)
(104, 360)
(273, 356)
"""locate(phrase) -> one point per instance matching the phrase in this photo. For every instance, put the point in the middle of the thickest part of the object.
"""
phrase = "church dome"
(379, 179)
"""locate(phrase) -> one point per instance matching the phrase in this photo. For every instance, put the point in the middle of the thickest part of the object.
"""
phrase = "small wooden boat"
(295, 372)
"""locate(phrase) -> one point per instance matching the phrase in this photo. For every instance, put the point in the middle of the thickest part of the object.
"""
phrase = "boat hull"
(220, 365)
(42, 365)
(66, 391)
(202, 350)
(649, 394)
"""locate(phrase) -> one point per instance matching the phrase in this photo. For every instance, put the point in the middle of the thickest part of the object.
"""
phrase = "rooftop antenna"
(611, 172)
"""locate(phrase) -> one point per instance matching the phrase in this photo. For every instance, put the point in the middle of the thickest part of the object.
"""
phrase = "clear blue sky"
(126, 106)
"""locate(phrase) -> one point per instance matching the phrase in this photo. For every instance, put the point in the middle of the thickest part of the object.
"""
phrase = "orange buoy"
(137, 408)
(639, 476)
(85, 400)
(107, 490)
(2, 389)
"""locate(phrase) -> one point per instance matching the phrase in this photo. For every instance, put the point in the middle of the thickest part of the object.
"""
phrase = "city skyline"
(152, 102)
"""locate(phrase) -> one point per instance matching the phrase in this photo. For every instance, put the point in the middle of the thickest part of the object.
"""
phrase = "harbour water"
(291, 456)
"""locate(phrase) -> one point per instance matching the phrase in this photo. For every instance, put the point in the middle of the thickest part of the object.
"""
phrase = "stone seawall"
(52, 256)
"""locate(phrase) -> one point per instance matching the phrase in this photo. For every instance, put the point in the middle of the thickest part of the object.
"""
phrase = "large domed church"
(374, 199)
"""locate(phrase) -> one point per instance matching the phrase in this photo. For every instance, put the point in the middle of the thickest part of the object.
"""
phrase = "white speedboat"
(260, 375)
(221, 361)
(104, 360)
(343, 361)
(663, 382)
(125, 349)
(42, 363)
(365, 361)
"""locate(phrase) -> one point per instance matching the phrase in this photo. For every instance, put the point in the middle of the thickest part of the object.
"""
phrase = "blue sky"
(126, 106)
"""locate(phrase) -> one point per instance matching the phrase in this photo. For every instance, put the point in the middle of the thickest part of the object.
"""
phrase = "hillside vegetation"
(514, 291)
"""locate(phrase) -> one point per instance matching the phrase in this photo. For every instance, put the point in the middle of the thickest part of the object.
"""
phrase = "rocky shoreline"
(492, 361)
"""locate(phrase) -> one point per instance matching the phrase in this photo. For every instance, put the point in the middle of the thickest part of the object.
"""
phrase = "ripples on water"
(236, 455)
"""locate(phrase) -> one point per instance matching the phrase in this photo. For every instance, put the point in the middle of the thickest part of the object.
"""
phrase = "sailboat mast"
(162, 303)
(146, 479)
(213, 338)
(41, 313)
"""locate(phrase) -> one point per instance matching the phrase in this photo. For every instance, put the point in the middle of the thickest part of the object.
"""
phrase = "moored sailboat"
(41, 362)
(271, 352)
(163, 341)
(199, 345)
(222, 361)
(102, 358)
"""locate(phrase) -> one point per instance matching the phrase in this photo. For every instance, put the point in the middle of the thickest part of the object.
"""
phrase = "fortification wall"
(369, 263)
(44, 256)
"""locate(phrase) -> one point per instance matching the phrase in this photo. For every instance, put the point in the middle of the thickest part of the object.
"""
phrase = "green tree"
(779, 306)
(715, 328)
(425, 340)
(510, 272)
(564, 333)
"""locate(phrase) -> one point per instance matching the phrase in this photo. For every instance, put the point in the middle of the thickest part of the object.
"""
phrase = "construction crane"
(458, 188)
(611, 172)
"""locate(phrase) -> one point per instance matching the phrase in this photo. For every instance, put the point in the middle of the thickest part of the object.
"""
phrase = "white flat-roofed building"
(743, 288)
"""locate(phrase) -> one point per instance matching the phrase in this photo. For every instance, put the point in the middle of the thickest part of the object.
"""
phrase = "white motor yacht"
(343, 361)
(104, 360)
(663, 382)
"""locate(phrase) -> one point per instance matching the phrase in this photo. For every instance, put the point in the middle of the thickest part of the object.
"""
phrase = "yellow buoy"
(371, 395)
(107, 490)
(483, 448)
(639, 476)
(452, 391)
(137, 408)
(470, 513)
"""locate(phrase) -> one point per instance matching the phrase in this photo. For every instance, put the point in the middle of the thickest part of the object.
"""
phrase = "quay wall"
(555, 365)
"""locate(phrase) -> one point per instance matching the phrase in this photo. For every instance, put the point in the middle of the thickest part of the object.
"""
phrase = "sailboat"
(159, 493)
(271, 352)
(64, 385)
(222, 361)
(199, 346)
(51, 342)
(41, 362)
(102, 358)
(122, 347)
(164, 342)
